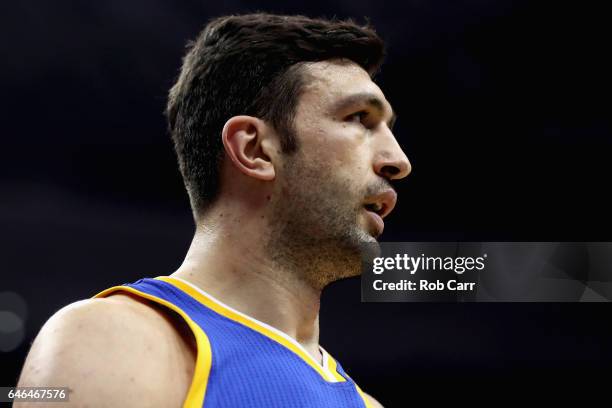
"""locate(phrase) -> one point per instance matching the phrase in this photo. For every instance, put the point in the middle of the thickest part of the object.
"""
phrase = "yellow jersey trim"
(366, 400)
(223, 310)
(332, 366)
(199, 382)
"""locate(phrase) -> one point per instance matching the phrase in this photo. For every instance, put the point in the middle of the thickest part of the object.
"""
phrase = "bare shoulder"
(373, 402)
(116, 351)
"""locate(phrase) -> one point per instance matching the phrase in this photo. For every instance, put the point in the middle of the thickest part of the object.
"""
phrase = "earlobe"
(242, 139)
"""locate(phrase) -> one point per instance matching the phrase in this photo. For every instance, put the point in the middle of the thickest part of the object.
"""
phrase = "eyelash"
(361, 114)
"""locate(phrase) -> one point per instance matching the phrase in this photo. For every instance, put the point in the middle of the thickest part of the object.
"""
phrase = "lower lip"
(377, 221)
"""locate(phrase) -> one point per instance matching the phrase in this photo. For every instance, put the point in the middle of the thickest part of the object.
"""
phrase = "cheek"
(353, 161)
(341, 147)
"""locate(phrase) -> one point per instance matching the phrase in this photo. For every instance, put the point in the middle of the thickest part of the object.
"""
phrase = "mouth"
(375, 220)
(378, 207)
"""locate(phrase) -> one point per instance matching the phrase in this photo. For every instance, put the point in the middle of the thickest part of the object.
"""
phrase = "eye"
(357, 117)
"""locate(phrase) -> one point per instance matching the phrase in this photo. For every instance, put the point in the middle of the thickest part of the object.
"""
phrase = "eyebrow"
(369, 99)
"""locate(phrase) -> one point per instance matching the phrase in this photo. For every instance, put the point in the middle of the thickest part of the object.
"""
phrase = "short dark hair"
(249, 65)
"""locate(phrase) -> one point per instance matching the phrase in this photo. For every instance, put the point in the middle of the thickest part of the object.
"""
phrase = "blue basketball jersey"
(242, 362)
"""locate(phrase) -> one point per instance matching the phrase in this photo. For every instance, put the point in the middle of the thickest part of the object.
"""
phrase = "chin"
(368, 234)
(369, 239)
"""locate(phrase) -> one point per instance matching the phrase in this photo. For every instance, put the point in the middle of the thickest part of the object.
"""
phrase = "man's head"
(251, 65)
(281, 113)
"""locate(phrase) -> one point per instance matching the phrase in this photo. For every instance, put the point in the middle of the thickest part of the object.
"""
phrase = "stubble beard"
(314, 232)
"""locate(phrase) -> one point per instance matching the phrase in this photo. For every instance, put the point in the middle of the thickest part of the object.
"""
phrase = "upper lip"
(382, 203)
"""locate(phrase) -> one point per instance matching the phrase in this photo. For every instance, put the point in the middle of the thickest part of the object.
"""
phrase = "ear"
(242, 138)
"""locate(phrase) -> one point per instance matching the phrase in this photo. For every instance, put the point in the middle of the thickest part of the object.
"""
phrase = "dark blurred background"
(504, 111)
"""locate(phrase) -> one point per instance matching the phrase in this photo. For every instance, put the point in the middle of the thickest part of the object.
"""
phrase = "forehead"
(328, 82)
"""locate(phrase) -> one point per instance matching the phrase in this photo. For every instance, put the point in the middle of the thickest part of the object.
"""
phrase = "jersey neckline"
(328, 368)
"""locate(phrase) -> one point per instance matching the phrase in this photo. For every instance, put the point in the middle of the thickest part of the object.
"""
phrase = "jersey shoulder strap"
(163, 294)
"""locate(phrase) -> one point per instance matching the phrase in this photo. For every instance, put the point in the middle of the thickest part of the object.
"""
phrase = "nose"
(390, 160)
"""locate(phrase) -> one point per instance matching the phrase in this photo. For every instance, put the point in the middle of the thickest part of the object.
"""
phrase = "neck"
(228, 259)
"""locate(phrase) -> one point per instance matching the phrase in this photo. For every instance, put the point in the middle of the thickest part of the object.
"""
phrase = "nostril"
(383, 210)
(390, 171)
(374, 207)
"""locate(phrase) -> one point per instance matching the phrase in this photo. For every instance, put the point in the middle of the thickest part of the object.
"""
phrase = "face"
(333, 193)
